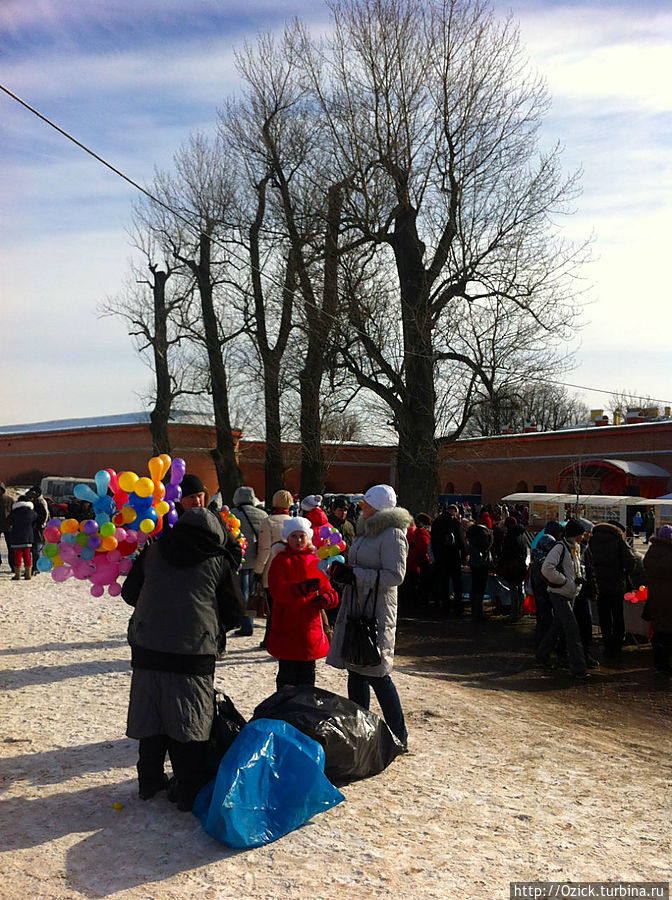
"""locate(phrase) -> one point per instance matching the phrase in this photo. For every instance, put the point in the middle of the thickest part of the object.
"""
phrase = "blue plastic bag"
(270, 781)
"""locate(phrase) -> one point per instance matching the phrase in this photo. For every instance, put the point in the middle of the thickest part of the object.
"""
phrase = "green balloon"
(82, 539)
(51, 550)
(108, 529)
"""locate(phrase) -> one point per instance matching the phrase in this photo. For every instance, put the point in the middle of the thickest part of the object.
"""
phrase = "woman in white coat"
(376, 566)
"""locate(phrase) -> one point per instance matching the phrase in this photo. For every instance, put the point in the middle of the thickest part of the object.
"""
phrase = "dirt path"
(513, 775)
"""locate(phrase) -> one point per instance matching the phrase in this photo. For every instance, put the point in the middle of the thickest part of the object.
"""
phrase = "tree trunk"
(417, 454)
(159, 416)
(229, 476)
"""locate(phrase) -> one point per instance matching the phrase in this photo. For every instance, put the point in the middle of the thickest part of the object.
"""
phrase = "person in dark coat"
(22, 522)
(186, 596)
(338, 517)
(512, 565)
(479, 541)
(610, 560)
(449, 549)
(658, 567)
(649, 525)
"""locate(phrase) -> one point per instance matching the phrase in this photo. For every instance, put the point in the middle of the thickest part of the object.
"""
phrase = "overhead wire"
(260, 271)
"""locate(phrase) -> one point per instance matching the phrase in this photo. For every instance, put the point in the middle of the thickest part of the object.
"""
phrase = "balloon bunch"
(88, 551)
(141, 503)
(98, 549)
(638, 596)
(233, 524)
(330, 546)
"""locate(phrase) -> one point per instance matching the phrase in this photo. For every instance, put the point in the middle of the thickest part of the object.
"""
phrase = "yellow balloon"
(322, 552)
(57, 561)
(144, 487)
(128, 514)
(127, 481)
(162, 508)
(147, 526)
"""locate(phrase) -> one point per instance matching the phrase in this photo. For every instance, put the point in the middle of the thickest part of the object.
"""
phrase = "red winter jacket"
(418, 547)
(296, 623)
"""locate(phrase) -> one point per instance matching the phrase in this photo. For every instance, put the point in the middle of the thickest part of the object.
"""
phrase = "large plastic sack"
(270, 781)
(357, 743)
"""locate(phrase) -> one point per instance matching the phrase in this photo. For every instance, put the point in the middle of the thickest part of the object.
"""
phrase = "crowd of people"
(191, 586)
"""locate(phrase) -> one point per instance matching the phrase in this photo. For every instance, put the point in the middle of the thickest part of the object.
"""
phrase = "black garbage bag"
(357, 743)
(226, 726)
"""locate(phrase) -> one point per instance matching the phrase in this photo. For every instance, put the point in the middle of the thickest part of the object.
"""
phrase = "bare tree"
(434, 119)
(199, 192)
(155, 316)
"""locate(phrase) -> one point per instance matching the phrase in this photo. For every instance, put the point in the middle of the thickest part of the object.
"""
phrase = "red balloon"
(126, 547)
(114, 480)
(120, 498)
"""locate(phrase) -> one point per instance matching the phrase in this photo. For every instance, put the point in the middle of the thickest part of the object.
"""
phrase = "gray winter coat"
(251, 518)
(378, 553)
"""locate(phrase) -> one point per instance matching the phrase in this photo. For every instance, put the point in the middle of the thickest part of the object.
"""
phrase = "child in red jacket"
(300, 591)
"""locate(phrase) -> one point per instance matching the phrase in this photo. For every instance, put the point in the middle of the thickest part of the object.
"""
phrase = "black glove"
(341, 574)
(580, 580)
(256, 578)
(309, 586)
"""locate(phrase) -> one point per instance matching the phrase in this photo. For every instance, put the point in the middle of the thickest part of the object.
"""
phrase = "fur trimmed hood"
(395, 517)
(606, 528)
(23, 504)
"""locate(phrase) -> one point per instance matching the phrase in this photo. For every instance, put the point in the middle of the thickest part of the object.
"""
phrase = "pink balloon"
(68, 553)
(121, 535)
(114, 589)
(114, 556)
(97, 590)
(125, 566)
(61, 574)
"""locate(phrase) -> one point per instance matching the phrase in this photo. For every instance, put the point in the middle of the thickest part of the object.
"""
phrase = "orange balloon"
(128, 514)
(156, 468)
(109, 543)
(159, 492)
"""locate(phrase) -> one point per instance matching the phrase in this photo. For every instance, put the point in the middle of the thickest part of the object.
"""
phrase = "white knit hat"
(381, 496)
(312, 501)
(296, 523)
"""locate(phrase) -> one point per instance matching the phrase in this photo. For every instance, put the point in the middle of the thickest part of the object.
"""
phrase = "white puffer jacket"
(377, 555)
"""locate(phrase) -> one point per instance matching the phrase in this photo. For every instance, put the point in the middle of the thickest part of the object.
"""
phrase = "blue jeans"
(359, 690)
(245, 578)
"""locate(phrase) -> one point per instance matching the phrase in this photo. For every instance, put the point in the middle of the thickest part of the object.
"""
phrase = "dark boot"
(151, 757)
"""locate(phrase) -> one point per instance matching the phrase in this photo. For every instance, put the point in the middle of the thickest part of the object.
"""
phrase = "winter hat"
(282, 500)
(296, 523)
(510, 522)
(192, 484)
(381, 496)
(340, 502)
(554, 528)
(312, 501)
(244, 494)
(616, 524)
(587, 524)
(573, 528)
(665, 532)
(423, 520)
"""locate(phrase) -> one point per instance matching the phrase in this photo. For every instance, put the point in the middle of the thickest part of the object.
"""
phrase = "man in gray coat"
(186, 596)
(246, 508)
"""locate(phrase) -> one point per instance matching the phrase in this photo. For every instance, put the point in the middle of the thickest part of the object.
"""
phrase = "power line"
(197, 231)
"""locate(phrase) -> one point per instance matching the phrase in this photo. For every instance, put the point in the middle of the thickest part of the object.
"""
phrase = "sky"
(132, 79)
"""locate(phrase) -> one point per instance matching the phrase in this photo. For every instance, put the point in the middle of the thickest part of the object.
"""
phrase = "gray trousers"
(564, 622)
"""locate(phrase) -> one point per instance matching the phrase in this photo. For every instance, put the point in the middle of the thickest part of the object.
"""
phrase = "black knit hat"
(192, 484)
(573, 528)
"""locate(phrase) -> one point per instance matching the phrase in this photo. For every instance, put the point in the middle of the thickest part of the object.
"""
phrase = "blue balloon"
(84, 492)
(68, 538)
(87, 553)
(140, 504)
(102, 518)
(44, 564)
(102, 482)
(104, 505)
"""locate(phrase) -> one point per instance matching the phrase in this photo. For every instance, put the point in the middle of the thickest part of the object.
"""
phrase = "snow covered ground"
(506, 780)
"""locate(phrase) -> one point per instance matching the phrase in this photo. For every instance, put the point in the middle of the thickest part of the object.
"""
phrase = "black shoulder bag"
(360, 639)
